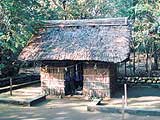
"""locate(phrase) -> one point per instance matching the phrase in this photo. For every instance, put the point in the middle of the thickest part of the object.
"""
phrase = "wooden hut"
(80, 55)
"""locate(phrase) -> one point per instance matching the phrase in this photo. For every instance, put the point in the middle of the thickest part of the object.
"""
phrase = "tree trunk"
(150, 65)
(130, 69)
(64, 7)
(147, 62)
(155, 57)
(134, 62)
(10, 80)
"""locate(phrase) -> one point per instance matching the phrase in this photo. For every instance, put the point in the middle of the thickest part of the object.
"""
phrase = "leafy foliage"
(20, 19)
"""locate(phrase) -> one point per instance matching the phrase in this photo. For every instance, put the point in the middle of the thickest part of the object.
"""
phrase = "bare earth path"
(58, 109)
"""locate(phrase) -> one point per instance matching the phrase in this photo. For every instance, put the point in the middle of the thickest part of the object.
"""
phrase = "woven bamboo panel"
(99, 72)
(96, 82)
(52, 80)
(97, 78)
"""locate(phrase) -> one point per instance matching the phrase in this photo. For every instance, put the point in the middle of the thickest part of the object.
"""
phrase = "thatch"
(101, 40)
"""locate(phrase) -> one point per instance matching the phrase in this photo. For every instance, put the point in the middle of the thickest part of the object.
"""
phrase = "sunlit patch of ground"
(139, 97)
(22, 94)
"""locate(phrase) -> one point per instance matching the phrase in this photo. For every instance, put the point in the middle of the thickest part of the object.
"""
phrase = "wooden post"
(125, 68)
(10, 80)
(123, 105)
(125, 94)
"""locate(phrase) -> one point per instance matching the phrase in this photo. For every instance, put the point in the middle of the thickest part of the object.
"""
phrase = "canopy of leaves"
(146, 24)
(20, 19)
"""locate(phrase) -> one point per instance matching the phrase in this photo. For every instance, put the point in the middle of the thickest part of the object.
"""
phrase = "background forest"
(20, 19)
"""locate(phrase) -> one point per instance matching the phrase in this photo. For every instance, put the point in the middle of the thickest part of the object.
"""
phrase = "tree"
(146, 25)
(19, 20)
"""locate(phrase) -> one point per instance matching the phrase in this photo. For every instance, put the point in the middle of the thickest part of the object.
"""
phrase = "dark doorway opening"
(73, 77)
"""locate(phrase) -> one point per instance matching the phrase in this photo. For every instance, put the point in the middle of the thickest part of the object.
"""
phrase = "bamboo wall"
(99, 82)
(52, 80)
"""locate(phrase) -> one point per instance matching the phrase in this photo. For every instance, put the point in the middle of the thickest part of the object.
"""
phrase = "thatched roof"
(96, 39)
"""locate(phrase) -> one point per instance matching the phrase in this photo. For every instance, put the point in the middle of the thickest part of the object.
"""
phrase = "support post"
(123, 105)
(125, 94)
(125, 69)
(10, 80)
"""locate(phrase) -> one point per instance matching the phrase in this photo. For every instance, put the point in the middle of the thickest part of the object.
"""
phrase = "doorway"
(73, 79)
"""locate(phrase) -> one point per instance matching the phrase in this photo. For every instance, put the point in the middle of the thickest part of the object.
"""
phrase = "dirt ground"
(138, 97)
(65, 109)
(60, 109)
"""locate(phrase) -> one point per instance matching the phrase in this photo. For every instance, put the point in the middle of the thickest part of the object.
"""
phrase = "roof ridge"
(121, 21)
